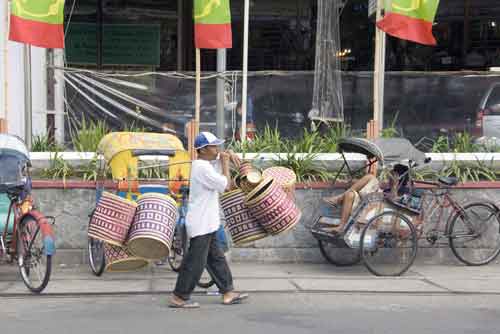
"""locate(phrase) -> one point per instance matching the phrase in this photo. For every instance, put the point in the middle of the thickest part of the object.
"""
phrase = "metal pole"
(5, 72)
(379, 73)
(59, 91)
(465, 44)
(245, 73)
(180, 40)
(27, 96)
(99, 34)
(198, 91)
(221, 67)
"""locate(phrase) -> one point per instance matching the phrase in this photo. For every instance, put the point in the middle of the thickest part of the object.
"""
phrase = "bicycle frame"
(20, 213)
(14, 208)
(441, 199)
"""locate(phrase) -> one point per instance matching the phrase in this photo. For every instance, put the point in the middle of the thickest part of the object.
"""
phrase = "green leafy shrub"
(391, 131)
(58, 168)
(304, 166)
(42, 143)
(89, 135)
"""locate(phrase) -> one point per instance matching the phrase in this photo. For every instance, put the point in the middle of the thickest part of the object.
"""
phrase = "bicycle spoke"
(34, 264)
(389, 244)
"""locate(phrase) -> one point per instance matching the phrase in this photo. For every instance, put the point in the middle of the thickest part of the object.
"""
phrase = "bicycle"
(473, 222)
(26, 235)
(472, 230)
(385, 230)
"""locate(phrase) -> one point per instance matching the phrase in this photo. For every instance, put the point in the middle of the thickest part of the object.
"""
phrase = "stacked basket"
(134, 233)
(263, 205)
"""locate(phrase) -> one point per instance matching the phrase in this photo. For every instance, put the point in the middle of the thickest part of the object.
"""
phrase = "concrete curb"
(269, 279)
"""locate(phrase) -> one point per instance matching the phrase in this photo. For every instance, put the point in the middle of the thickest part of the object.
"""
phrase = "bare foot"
(232, 297)
(176, 302)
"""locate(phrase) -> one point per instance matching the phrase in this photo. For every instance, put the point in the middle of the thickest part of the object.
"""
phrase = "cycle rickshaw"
(26, 235)
(121, 154)
(385, 229)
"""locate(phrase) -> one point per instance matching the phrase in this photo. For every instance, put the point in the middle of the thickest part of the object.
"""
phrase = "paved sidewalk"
(275, 278)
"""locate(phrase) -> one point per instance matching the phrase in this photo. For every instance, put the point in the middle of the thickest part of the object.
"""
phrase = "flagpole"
(27, 96)
(379, 73)
(4, 118)
(245, 73)
(196, 124)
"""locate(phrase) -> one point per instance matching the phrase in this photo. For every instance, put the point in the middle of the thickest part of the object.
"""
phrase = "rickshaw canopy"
(399, 151)
(384, 150)
(120, 151)
(13, 145)
(361, 146)
(116, 142)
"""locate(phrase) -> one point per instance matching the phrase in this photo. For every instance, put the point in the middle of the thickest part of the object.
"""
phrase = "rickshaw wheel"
(97, 260)
(389, 244)
(339, 256)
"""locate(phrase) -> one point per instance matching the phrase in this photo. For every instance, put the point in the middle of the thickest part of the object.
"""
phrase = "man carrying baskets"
(209, 177)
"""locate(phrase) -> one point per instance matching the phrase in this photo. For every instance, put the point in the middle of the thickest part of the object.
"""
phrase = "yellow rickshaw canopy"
(116, 142)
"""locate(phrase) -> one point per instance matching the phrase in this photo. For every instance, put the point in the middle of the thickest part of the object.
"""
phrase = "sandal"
(185, 304)
(237, 299)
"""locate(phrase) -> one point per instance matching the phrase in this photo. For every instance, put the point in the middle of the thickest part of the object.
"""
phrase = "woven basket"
(272, 207)
(243, 227)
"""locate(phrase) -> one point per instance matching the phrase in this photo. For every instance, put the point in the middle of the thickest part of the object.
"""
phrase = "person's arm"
(225, 157)
(235, 160)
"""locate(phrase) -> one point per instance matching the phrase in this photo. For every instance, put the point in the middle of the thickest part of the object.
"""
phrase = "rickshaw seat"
(139, 152)
(449, 181)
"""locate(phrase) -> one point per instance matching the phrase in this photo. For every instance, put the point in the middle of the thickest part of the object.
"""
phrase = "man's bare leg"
(357, 186)
(346, 210)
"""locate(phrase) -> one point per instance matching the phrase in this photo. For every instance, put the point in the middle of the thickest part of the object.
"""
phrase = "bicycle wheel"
(206, 280)
(97, 260)
(339, 256)
(179, 247)
(34, 265)
(475, 235)
(389, 244)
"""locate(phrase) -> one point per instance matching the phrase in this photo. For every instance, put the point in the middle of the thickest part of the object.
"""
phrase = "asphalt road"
(276, 313)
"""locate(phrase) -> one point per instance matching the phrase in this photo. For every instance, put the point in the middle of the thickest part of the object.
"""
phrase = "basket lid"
(282, 175)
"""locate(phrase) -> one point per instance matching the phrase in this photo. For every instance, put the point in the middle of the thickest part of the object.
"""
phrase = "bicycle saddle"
(13, 188)
(449, 181)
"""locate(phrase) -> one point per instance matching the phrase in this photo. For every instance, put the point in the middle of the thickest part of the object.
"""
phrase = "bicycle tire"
(454, 226)
(205, 284)
(97, 258)
(338, 256)
(179, 247)
(30, 248)
(377, 236)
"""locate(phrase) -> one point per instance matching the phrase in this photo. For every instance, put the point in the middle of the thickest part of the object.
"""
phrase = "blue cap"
(206, 139)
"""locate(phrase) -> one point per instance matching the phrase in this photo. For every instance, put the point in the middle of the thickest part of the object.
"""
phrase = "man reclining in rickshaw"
(351, 198)
(396, 151)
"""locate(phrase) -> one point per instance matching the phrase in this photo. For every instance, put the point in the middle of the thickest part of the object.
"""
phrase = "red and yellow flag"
(212, 24)
(38, 22)
(410, 19)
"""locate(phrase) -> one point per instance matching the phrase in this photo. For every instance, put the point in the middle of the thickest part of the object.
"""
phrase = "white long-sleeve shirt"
(206, 183)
